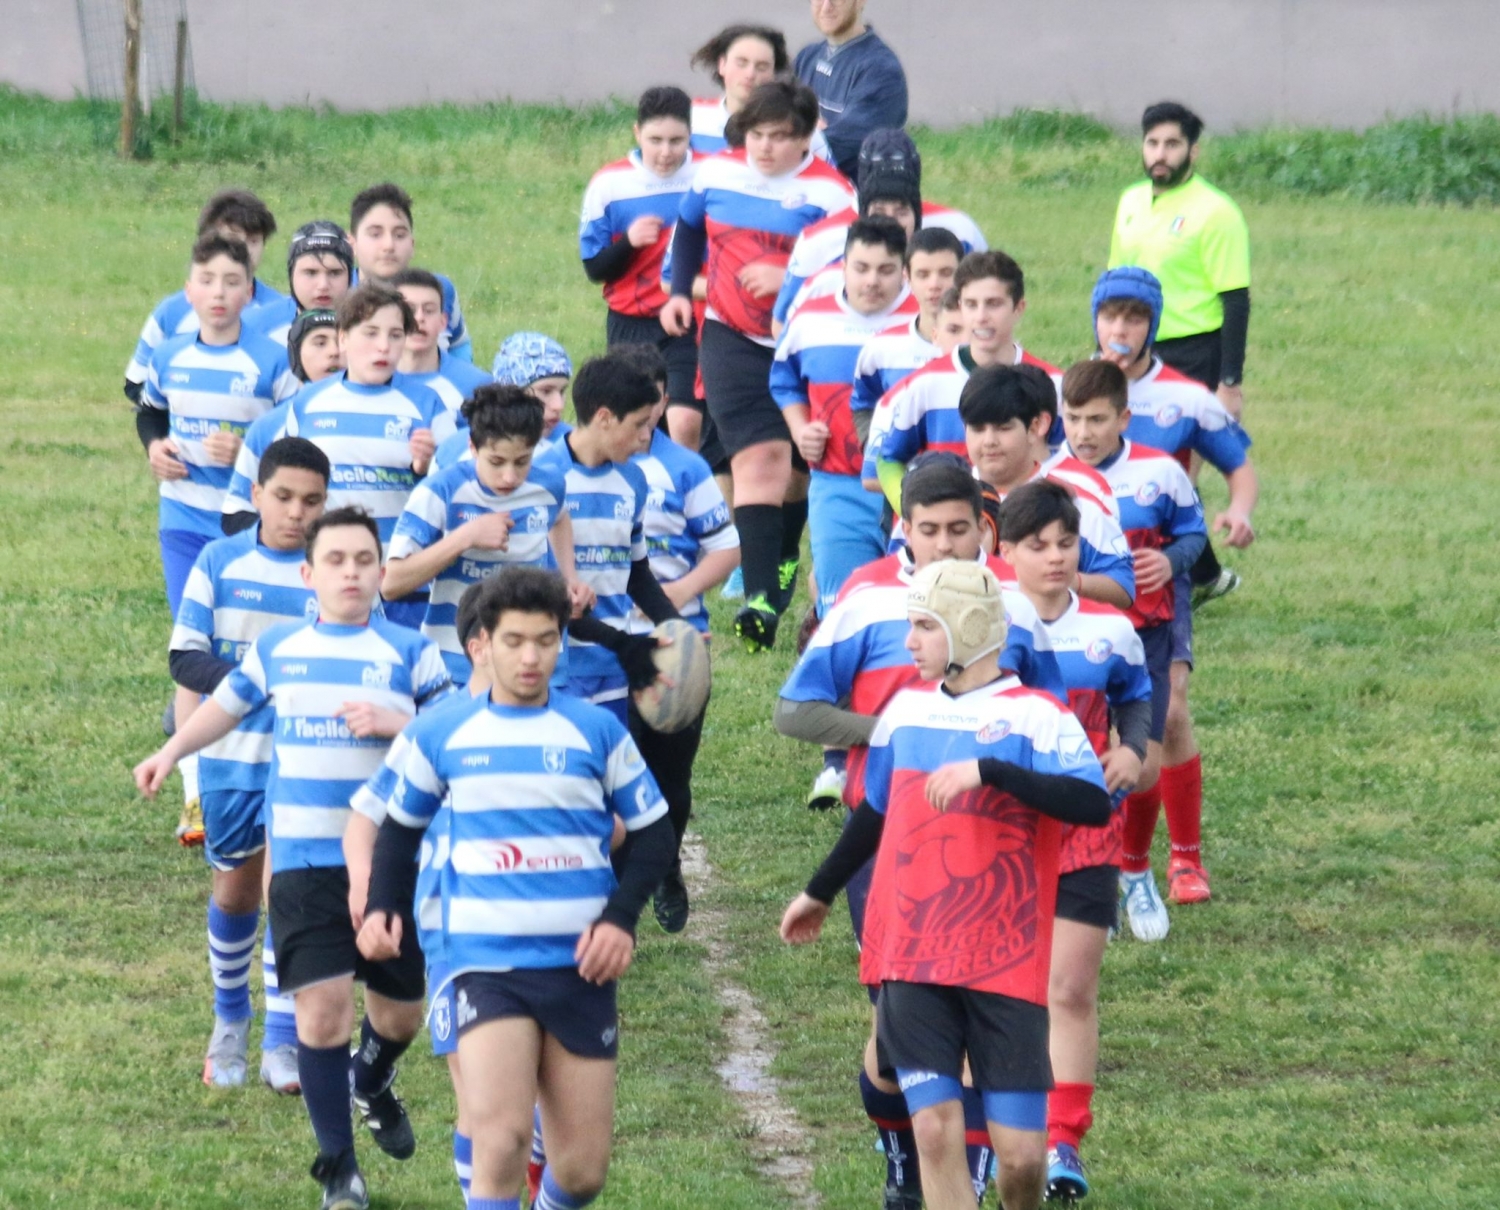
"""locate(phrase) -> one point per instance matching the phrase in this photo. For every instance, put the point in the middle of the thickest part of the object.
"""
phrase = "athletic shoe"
(1220, 586)
(807, 629)
(224, 1066)
(343, 1186)
(734, 587)
(1143, 906)
(190, 825)
(385, 1115)
(756, 625)
(902, 1197)
(828, 791)
(786, 584)
(670, 903)
(1065, 1179)
(278, 1070)
(1187, 883)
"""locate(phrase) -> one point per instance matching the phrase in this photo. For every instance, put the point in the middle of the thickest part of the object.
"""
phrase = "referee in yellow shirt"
(1194, 238)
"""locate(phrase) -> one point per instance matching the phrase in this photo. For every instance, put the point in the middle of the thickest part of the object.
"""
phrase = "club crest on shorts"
(554, 758)
(442, 1020)
(993, 732)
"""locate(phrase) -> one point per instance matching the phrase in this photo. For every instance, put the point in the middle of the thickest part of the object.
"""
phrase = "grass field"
(1325, 1034)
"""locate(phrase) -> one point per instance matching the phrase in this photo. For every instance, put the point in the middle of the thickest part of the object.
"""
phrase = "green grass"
(1324, 1035)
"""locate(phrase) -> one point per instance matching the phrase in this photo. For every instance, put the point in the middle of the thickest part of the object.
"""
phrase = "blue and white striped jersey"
(531, 792)
(441, 504)
(273, 320)
(685, 517)
(455, 338)
(258, 438)
(308, 672)
(238, 589)
(207, 389)
(174, 316)
(454, 382)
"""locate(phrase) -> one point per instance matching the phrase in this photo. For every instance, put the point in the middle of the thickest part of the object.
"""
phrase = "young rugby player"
(739, 58)
(341, 686)
(1104, 668)
(380, 231)
(541, 367)
(239, 588)
(319, 264)
(534, 944)
(237, 214)
(1163, 522)
(423, 358)
(745, 210)
(964, 789)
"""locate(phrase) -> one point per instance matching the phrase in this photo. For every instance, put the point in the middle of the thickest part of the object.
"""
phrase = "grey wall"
(1241, 62)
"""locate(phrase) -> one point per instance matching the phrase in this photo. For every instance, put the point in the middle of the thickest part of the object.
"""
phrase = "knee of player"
(500, 1142)
(1073, 993)
(1021, 1178)
(580, 1177)
(939, 1128)
(1022, 1158)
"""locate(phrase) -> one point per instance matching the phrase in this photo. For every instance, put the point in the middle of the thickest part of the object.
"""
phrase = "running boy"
(541, 367)
(319, 264)
(423, 358)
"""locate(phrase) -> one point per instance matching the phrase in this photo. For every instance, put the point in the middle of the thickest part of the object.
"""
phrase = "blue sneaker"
(734, 587)
(1065, 1179)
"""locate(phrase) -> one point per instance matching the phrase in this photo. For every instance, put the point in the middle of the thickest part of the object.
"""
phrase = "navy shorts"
(679, 352)
(1090, 896)
(1182, 620)
(1157, 640)
(581, 1015)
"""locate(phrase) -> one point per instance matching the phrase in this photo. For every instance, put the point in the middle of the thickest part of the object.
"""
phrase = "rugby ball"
(684, 662)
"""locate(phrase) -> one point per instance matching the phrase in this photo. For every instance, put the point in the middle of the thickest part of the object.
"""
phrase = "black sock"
(1206, 569)
(836, 758)
(324, 1073)
(793, 522)
(376, 1057)
(760, 528)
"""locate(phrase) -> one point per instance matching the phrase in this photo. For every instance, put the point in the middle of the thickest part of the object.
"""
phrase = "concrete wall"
(1240, 62)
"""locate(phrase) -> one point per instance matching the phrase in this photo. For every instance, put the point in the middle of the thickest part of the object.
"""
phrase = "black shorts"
(929, 1027)
(737, 383)
(580, 1015)
(1199, 356)
(1090, 896)
(679, 352)
(1182, 620)
(1157, 640)
(314, 937)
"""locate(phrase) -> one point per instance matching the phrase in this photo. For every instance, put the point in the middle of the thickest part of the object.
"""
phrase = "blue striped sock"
(538, 1148)
(552, 1196)
(494, 1203)
(231, 945)
(281, 1018)
(463, 1160)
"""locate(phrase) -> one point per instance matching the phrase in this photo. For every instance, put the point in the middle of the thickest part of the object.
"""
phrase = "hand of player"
(423, 447)
(1122, 769)
(165, 464)
(223, 448)
(1233, 399)
(152, 771)
(1237, 525)
(946, 784)
(762, 280)
(490, 531)
(582, 597)
(603, 952)
(812, 440)
(644, 232)
(365, 719)
(1153, 570)
(802, 922)
(379, 938)
(359, 895)
(677, 316)
(637, 659)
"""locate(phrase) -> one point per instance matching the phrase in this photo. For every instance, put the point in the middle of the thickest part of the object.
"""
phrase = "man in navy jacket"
(859, 81)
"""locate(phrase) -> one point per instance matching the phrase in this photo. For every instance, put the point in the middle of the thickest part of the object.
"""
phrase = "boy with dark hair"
(341, 687)
(533, 953)
(1104, 668)
(239, 588)
(739, 59)
(423, 359)
(380, 231)
(1163, 522)
(237, 214)
(965, 790)
(744, 211)
(319, 264)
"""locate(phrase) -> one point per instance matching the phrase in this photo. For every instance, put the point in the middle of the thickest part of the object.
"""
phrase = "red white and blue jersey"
(965, 897)
(686, 518)
(1180, 416)
(888, 358)
(209, 389)
(1103, 666)
(524, 798)
(822, 245)
(711, 114)
(174, 316)
(751, 218)
(1102, 548)
(238, 589)
(454, 382)
(924, 407)
(1082, 480)
(308, 672)
(814, 365)
(618, 194)
(1157, 505)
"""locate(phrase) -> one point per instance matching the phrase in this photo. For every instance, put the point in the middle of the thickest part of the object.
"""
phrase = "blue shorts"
(843, 522)
(179, 551)
(1157, 640)
(233, 826)
(440, 1016)
(1182, 620)
(582, 1016)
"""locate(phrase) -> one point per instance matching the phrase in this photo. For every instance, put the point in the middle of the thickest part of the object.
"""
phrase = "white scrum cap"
(964, 598)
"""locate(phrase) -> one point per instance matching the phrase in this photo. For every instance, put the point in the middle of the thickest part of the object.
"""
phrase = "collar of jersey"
(1112, 459)
(1007, 680)
(280, 556)
(502, 711)
(366, 388)
(339, 629)
(218, 349)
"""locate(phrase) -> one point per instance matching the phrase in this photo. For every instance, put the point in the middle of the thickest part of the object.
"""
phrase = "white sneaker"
(1143, 906)
(828, 791)
(224, 1065)
(278, 1070)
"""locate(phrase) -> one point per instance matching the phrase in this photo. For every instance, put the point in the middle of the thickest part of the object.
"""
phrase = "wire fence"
(102, 24)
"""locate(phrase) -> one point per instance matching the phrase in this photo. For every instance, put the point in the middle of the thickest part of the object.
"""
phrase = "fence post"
(132, 99)
(178, 83)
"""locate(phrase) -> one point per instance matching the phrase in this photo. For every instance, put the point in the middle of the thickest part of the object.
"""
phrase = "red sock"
(1182, 797)
(1141, 811)
(1069, 1113)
